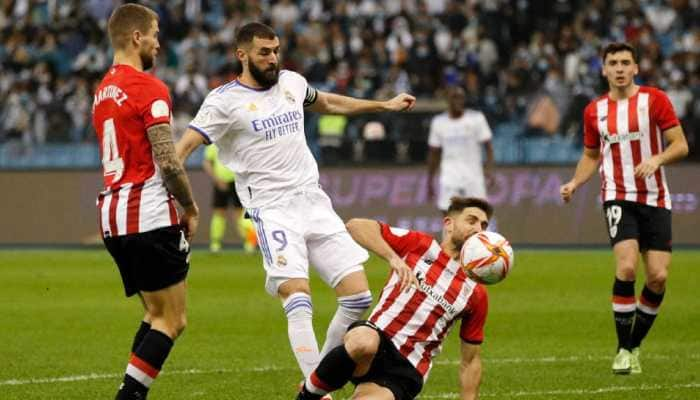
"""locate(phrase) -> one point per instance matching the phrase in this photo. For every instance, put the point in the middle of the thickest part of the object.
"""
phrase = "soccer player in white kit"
(257, 121)
(455, 141)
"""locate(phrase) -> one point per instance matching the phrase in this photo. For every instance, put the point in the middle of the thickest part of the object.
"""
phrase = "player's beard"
(147, 59)
(458, 239)
(458, 243)
(266, 78)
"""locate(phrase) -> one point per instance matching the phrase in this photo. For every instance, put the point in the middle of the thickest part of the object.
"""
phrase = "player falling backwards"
(390, 356)
(627, 126)
(257, 121)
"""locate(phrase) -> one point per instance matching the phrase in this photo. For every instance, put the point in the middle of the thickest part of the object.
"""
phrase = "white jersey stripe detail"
(121, 211)
(647, 136)
(664, 182)
(644, 129)
(626, 150)
(104, 213)
(606, 167)
(404, 332)
(154, 212)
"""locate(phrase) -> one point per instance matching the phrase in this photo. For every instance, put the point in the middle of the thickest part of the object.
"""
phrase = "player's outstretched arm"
(470, 371)
(188, 143)
(331, 103)
(367, 233)
(585, 168)
(173, 175)
(676, 149)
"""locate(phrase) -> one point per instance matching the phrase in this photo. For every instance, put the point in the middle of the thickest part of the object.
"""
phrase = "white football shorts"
(476, 189)
(304, 229)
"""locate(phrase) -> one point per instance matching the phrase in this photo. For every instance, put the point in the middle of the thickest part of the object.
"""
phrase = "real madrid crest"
(252, 107)
(289, 97)
(281, 261)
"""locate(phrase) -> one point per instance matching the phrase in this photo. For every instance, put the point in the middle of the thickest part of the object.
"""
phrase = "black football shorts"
(390, 368)
(150, 261)
(650, 226)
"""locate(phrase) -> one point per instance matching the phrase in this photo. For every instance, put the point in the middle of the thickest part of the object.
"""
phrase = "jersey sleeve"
(210, 152)
(434, 139)
(154, 103)
(591, 136)
(474, 319)
(662, 111)
(311, 95)
(401, 240)
(212, 121)
(484, 130)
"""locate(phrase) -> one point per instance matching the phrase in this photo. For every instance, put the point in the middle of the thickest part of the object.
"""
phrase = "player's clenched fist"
(402, 102)
(566, 191)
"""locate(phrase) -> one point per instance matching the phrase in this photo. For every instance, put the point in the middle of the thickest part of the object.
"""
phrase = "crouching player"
(390, 355)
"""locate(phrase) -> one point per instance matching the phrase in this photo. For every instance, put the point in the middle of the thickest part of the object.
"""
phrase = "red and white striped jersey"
(127, 102)
(418, 320)
(627, 132)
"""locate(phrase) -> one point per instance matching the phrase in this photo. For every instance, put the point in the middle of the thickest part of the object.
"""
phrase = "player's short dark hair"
(617, 47)
(458, 204)
(251, 30)
(126, 19)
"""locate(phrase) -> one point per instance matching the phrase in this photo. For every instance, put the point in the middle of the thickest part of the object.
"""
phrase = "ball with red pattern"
(487, 257)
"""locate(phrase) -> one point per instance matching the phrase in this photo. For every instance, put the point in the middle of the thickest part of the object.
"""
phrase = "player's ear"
(447, 225)
(136, 37)
(241, 55)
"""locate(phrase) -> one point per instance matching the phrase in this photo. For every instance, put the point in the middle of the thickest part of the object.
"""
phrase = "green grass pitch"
(66, 329)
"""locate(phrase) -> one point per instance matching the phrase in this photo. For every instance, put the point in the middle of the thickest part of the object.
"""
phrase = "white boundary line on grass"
(194, 371)
(555, 359)
(571, 392)
(94, 376)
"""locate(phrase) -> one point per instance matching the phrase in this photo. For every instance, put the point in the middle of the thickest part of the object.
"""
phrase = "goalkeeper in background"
(223, 196)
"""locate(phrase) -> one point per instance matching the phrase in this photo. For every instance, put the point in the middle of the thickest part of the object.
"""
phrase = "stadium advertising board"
(59, 207)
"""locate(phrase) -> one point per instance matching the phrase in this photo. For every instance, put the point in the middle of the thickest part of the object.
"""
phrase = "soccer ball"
(487, 257)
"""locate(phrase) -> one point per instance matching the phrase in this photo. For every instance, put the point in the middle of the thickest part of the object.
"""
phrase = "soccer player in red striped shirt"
(624, 132)
(390, 355)
(137, 217)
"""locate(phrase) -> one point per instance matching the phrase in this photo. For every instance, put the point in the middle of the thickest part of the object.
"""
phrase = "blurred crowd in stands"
(527, 64)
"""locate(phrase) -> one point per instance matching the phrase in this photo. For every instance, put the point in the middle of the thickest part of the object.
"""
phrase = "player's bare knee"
(626, 270)
(293, 286)
(361, 343)
(656, 281)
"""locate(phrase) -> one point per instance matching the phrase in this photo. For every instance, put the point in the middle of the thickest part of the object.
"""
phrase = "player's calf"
(332, 373)
(353, 358)
(145, 365)
(299, 311)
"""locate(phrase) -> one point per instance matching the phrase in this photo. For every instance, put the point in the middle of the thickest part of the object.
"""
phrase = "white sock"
(350, 309)
(301, 331)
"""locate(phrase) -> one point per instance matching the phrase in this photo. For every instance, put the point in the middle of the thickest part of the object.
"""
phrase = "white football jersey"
(460, 140)
(260, 135)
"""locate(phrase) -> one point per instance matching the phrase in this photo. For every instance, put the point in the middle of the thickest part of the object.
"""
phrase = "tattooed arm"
(174, 176)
